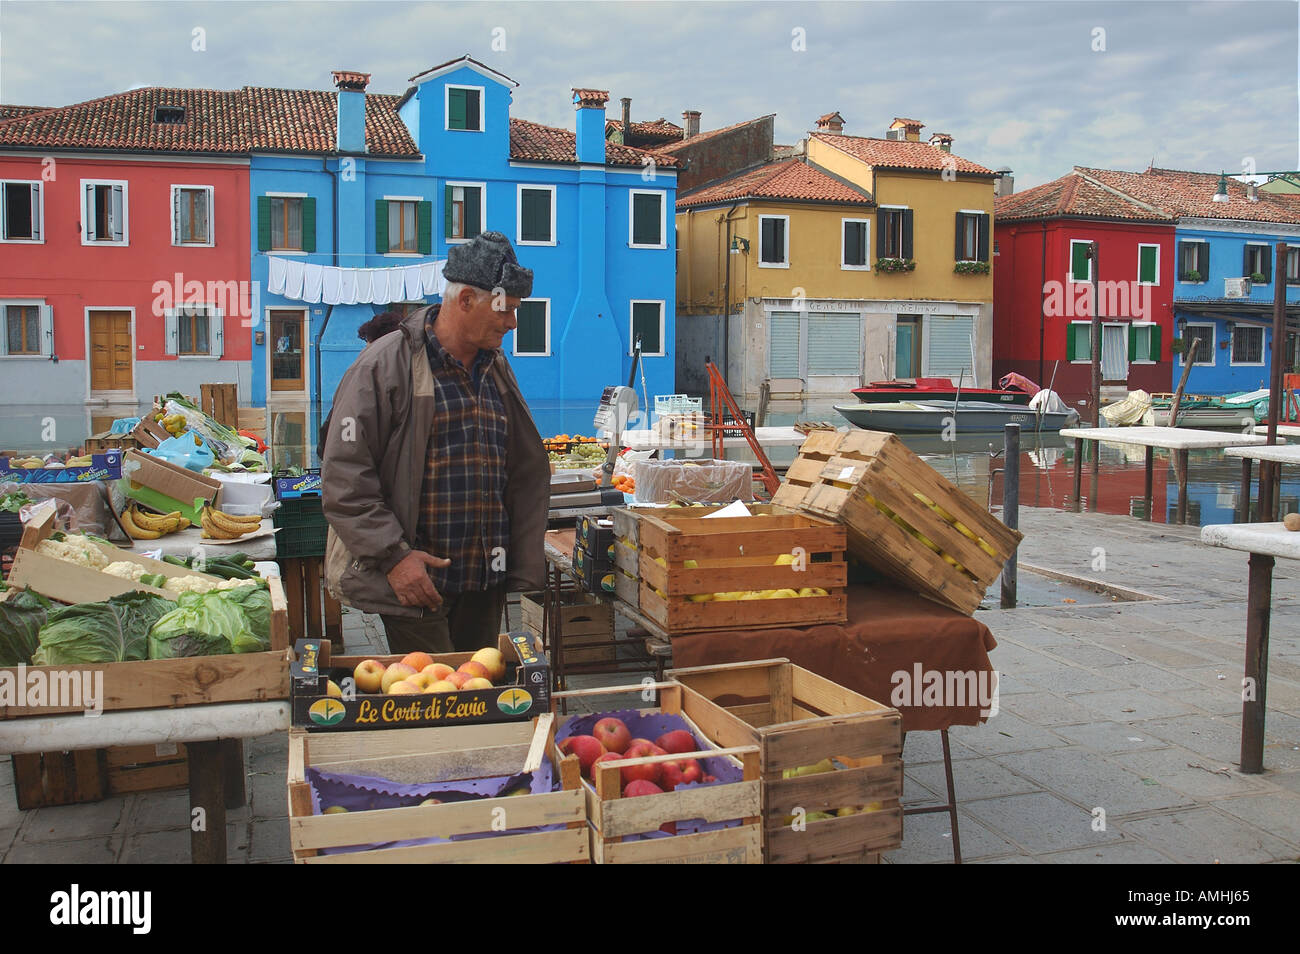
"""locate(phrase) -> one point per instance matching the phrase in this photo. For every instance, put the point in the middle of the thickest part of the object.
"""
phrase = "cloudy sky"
(1038, 87)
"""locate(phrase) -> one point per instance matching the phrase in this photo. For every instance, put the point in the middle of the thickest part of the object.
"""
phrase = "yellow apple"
(404, 687)
(786, 594)
(478, 682)
(442, 685)
(691, 565)
(369, 676)
(701, 597)
(332, 689)
(438, 670)
(394, 674)
(785, 559)
(335, 810)
(422, 680)
(494, 662)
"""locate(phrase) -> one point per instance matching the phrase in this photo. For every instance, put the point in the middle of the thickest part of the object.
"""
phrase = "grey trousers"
(464, 623)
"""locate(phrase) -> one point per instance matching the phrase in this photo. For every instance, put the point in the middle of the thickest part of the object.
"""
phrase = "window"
(286, 223)
(536, 215)
(1293, 265)
(1205, 353)
(104, 212)
(1193, 261)
(1258, 260)
(20, 211)
(972, 239)
(648, 325)
(1078, 342)
(192, 215)
(533, 336)
(403, 225)
(854, 252)
(894, 232)
(1080, 261)
(23, 329)
(774, 241)
(193, 331)
(464, 215)
(465, 108)
(1248, 344)
(1143, 343)
(169, 115)
(1148, 264)
(646, 210)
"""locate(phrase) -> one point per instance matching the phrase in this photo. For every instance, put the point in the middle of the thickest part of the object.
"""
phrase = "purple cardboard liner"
(651, 725)
(360, 793)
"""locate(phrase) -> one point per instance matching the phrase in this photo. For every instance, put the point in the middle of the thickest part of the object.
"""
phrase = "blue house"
(359, 220)
(1225, 273)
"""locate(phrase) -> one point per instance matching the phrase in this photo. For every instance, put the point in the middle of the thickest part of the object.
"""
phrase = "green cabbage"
(112, 631)
(21, 619)
(214, 623)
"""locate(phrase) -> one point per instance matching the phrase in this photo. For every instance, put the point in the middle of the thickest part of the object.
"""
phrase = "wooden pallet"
(477, 751)
(798, 718)
(43, 779)
(870, 482)
(613, 819)
(314, 613)
(221, 403)
(586, 625)
(737, 554)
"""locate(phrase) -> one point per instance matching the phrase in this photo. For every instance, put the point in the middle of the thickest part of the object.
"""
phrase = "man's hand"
(410, 579)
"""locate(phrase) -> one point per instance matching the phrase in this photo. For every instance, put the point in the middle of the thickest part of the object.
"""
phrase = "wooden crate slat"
(791, 747)
(761, 576)
(713, 803)
(148, 778)
(836, 838)
(331, 747)
(843, 788)
(729, 846)
(531, 848)
(680, 615)
(830, 697)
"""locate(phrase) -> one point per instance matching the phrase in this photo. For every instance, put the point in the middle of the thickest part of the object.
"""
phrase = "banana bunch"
(85, 460)
(218, 525)
(141, 525)
(26, 463)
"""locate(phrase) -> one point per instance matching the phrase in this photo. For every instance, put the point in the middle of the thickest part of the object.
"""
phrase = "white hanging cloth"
(313, 277)
(334, 285)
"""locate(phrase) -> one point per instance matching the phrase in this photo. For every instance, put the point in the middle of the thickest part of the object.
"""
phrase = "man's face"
(492, 318)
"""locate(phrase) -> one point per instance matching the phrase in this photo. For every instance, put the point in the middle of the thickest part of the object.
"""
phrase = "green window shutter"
(1245, 262)
(446, 212)
(535, 215)
(1132, 343)
(645, 220)
(263, 223)
(983, 230)
(471, 109)
(853, 243)
(907, 233)
(309, 225)
(456, 108)
(1182, 260)
(1205, 261)
(1078, 345)
(1079, 261)
(1155, 351)
(381, 226)
(881, 216)
(1268, 264)
(958, 243)
(646, 325)
(530, 336)
(424, 227)
(473, 211)
(1147, 264)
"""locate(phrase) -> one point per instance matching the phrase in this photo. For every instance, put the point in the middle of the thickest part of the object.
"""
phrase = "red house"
(1043, 290)
(124, 250)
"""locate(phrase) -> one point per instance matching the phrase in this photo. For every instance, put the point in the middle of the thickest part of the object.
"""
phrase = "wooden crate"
(221, 403)
(798, 718)
(106, 440)
(735, 554)
(433, 754)
(873, 484)
(43, 779)
(612, 818)
(627, 556)
(584, 620)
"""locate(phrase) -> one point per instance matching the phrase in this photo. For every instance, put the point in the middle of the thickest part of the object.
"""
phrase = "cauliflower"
(74, 549)
(126, 570)
(234, 584)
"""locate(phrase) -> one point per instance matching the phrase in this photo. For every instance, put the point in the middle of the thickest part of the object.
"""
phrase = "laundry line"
(337, 285)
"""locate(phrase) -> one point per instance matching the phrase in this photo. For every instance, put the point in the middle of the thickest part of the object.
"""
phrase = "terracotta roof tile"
(699, 137)
(9, 111)
(303, 120)
(1191, 194)
(653, 129)
(1078, 195)
(909, 122)
(900, 154)
(591, 97)
(533, 142)
(787, 179)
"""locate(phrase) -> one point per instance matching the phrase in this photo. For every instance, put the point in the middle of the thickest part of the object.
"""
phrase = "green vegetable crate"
(302, 528)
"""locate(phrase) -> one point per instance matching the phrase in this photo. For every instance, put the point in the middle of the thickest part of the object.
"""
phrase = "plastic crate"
(677, 404)
(302, 528)
(291, 486)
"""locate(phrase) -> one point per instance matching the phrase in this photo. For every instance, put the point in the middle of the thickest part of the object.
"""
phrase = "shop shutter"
(783, 348)
(424, 227)
(834, 344)
(381, 226)
(948, 347)
(309, 225)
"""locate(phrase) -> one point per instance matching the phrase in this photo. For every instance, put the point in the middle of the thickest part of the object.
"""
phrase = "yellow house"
(859, 260)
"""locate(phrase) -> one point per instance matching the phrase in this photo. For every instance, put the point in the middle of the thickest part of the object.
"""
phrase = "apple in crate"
(442, 685)
(395, 674)
(586, 747)
(369, 676)
(650, 772)
(493, 660)
(404, 687)
(607, 757)
(641, 787)
(680, 773)
(475, 670)
(613, 734)
(417, 660)
(478, 682)
(677, 742)
(438, 670)
(458, 679)
(422, 680)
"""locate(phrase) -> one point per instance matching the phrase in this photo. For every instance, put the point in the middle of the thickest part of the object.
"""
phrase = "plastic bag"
(124, 425)
(184, 452)
(704, 481)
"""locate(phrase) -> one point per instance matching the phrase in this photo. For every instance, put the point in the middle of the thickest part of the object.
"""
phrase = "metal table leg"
(951, 806)
(1182, 486)
(1078, 474)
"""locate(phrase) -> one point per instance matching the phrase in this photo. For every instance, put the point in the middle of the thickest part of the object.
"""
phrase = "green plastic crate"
(301, 528)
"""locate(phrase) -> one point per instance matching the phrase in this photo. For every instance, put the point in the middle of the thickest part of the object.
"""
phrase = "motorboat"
(963, 417)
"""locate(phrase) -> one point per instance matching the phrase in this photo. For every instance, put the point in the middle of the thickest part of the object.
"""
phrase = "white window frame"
(1210, 348)
(785, 235)
(1088, 325)
(40, 211)
(1144, 324)
(1290, 247)
(881, 209)
(212, 217)
(1232, 347)
(1267, 249)
(1141, 246)
(663, 217)
(519, 213)
(44, 328)
(216, 332)
(446, 107)
(514, 344)
(126, 213)
(866, 246)
(1069, 265)
(482, 206)
(631, 328)
(976, 212)
(417, 199)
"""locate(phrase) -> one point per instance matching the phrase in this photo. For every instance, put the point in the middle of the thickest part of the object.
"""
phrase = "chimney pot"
(691, 123)
(627, 120)
(351, 80)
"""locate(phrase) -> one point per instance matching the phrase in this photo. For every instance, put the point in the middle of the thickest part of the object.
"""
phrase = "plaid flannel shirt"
(462, 501)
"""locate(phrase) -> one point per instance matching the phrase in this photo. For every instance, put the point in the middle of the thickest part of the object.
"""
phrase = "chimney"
(1005, 184)
(910, 129)
(351, 129)
(627, 120)
(831, 123)
(590, 107)
(691, 123)
(941, 141)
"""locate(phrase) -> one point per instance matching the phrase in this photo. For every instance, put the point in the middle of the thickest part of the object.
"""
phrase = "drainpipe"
(320, 332)
(1042, 319)
(726, 321)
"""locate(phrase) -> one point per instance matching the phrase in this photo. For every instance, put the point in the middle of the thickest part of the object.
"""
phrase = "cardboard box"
(105, 466)
(595, 571)
(166, 487)
(314, 709)
(305, 485)
(595, 534)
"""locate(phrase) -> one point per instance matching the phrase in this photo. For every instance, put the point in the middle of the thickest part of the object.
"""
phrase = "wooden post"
(1243, 502)
(1010, 507)
(1182, 484)
(1096, 337)
(1258, 607)
(208, 842)
(1150, 497)
(1078, 474)
(1189, 358)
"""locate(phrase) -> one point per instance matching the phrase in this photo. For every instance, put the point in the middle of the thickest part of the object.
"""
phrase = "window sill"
(96, 242)
(24, 357)
(24, 242)
(540, 244)
(194, 244)
(454, 129)
(287, 251)
(855, 268)
(1245, 364)
(631, 245)
(196, 357)
(402, 254)
(530, 354)
(773, 264)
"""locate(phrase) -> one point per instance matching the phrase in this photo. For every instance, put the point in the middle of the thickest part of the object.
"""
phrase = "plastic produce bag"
(184, 452)
(124, 425)
(704, 481)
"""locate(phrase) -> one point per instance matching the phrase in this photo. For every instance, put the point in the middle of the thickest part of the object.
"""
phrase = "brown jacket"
(378, 437)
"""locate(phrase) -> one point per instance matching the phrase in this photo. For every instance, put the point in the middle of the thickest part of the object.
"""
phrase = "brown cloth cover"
(888, 630)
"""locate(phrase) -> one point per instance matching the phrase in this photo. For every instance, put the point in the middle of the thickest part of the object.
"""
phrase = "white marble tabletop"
(1170, 438)
(1283, 454)
(1284, 430)
(766, 436)
(1271, 539)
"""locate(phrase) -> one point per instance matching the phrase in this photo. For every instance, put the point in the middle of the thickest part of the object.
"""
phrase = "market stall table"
(1283, 430)
(766, 437)
(183, 543)
(1264, 542)
(1268, 453)
(1179, 440)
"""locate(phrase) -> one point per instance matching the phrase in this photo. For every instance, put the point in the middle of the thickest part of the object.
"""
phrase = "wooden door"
(111, 361)
(287, 351)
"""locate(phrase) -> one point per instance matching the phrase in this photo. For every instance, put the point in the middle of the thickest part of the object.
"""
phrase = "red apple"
(586, 747)
(458, 679)
(669, 828)
(677, 741)
(475, 670)
(417, 660)
(650, 772)
(709, 779)
(613, 734)
(438, 670)
(369, 676)
(638, 741)
(638, 749)
(680, 773)
(607, 757)
(639, 787)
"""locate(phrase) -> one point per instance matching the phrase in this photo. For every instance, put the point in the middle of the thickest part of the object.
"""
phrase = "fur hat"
(488, 261)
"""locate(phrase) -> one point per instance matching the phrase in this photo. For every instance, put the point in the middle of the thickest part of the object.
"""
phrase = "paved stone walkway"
(1131, 708)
